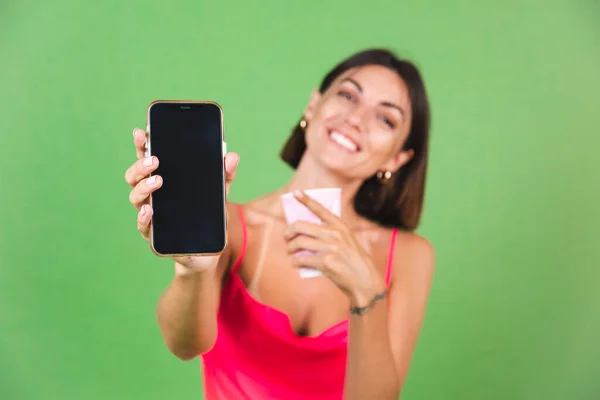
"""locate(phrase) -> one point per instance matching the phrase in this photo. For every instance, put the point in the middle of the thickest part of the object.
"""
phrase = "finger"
(321, 232)
(139, 139)
(316, 261)
(141, 192)
(144, 220)
(302, 242)
(317, 208)
(231, 162)
(140, 170)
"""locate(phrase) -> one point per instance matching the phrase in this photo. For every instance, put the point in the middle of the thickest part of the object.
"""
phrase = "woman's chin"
(337, 168)
(335, 164)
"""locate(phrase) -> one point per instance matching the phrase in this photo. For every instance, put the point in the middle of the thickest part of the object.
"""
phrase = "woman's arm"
(381, 341)
(187, 310)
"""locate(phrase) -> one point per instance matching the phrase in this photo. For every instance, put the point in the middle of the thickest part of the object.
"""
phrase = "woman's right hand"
(137, 176)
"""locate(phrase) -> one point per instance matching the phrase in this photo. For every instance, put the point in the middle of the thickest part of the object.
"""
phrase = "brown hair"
(399, 202)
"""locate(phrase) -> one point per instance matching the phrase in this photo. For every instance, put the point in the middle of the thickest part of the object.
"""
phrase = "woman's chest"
(311, 306)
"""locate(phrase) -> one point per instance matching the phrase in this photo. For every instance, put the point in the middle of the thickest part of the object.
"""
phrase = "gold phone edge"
(148, 152)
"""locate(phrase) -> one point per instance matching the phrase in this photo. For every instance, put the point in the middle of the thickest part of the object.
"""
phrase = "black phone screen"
(189, 209)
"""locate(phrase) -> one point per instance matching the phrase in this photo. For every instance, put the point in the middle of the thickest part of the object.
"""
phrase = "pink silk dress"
(258, 356)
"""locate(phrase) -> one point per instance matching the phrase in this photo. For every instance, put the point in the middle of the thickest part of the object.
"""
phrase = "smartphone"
(189, 210)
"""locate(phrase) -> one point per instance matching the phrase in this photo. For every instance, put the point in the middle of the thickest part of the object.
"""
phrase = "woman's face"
(357, 127)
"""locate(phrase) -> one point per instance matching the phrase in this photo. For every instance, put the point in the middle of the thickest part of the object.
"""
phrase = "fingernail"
(135, 131)
(143, 210)
(152, 180)
(298, 194)
(148, 162)
(237, 161)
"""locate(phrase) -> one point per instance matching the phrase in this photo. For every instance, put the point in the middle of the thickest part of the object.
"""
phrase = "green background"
(512, 203)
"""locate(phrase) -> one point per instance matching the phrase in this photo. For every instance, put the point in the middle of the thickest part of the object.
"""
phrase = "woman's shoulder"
(244, 219)
(257, 211)
(413, 242)
(414, 254)
(407, 249)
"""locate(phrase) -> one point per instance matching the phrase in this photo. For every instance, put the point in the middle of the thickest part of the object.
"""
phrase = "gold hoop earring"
(303, 123)
(384, 176)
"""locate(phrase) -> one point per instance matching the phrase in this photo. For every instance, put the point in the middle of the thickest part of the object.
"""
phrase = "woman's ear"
(400, 159)
(309, 111)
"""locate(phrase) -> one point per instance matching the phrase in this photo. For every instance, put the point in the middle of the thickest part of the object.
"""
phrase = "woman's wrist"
(187, 271)
(362, 300)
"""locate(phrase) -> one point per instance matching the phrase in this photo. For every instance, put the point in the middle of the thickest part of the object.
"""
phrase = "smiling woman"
(264, 332)
(392, 94)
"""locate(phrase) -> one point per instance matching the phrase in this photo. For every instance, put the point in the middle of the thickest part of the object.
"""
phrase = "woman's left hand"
(335, 252)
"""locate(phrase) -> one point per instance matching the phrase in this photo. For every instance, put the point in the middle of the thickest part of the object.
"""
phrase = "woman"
(262, 331)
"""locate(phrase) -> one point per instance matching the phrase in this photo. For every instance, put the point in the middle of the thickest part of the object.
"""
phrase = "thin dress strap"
(238, 262)
(390, 260)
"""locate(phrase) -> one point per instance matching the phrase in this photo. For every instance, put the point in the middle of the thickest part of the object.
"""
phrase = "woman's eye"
(345, 95)
(386, 121)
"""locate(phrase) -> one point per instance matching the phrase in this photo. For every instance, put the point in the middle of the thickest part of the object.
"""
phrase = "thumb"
(231, 162)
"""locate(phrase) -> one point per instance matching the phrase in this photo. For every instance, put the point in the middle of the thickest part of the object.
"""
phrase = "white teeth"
(343, 141)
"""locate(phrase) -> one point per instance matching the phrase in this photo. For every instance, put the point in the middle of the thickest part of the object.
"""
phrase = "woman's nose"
(357, 117)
